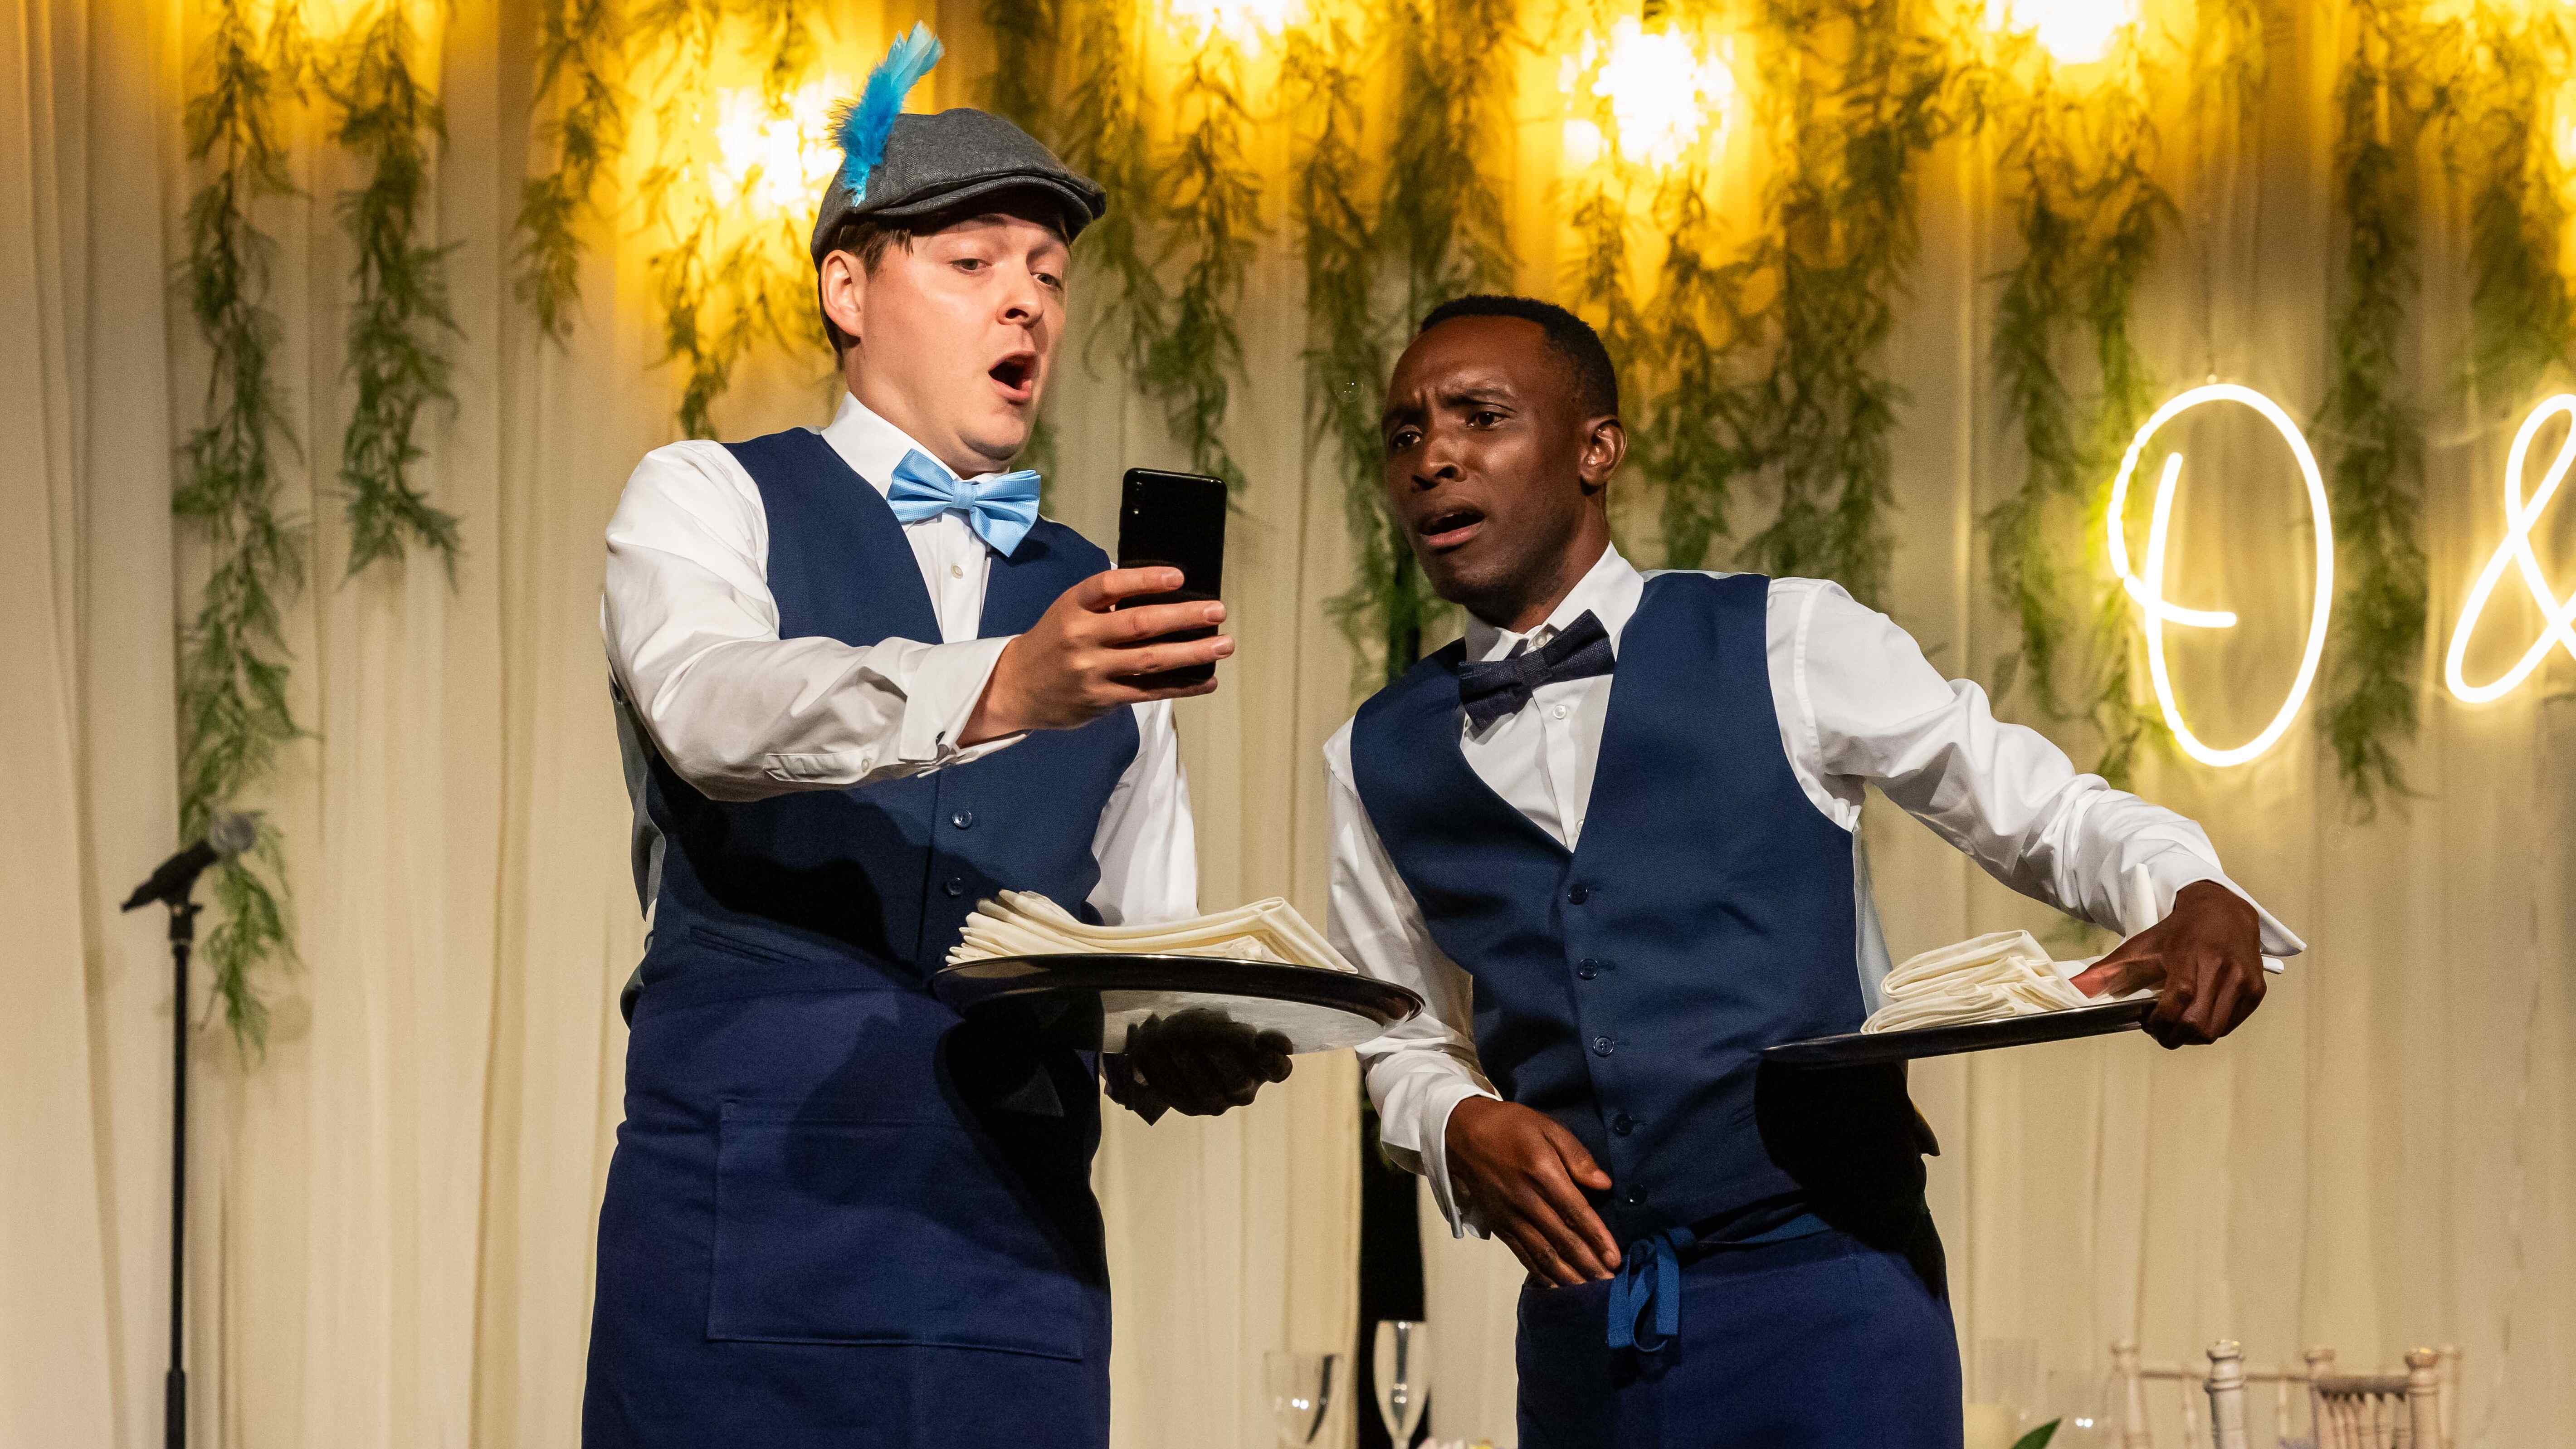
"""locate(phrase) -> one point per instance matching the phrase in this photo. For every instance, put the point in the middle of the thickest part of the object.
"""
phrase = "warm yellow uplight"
(1664, 99)
(2147, 586)
(770, 161)
(2076, 32)
(1245, 22)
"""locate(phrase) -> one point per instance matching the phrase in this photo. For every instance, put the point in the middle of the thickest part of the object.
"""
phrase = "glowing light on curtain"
(774, 162)
(1665, 99)
(2076, 32)
(1245, 22)
(2147, 586)
(2520, 514)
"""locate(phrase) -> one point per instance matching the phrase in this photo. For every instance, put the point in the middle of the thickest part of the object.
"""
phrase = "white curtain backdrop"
(394, 1210)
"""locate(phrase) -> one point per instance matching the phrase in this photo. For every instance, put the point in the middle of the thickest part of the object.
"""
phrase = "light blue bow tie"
(1001, 509)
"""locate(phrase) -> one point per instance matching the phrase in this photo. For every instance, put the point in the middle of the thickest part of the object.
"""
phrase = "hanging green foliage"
(578, 42)
(399, 321)
(2375, 434)
(1441, 215)
(233, 711)
(1345, 354)
(1440, 230)
(2090, 214)
(1837, 241)
(1024, 42)
(1692, 438)
(1102, 133)
(2522, 323)
(1210, 210)
(724, 284)
(781, 34)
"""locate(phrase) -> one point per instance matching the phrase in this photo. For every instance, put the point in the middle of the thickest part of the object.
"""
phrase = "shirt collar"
(1609, 591)
(870, 444)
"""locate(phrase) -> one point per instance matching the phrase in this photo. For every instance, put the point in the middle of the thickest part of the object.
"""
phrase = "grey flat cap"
(940, 162)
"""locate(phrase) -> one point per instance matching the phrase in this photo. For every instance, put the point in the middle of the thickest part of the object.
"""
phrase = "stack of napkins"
(1992, 977)
(1024, 923)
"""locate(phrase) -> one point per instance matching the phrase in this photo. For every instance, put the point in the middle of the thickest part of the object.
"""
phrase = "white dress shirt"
(742, 714)
(1858, 704)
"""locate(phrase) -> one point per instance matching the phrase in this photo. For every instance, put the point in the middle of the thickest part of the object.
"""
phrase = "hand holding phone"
(1174, 520)
(1086, 656)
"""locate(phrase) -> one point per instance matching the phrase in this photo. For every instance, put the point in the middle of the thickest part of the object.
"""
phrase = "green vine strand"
(1104, 135)
(1441, 231)
(722, 287)
(2090, 214)
(1211, 214)
(233, 711)
(1345, 355)
(398, 323)
(1694, 422)
(578, 43)
(2521, 317)
(2382, 104)
(1024, 41)
(1838, 240)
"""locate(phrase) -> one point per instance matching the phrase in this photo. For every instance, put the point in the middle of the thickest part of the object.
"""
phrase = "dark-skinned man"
(1612, 837)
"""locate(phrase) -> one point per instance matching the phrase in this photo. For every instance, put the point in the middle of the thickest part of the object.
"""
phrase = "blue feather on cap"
(863, 124)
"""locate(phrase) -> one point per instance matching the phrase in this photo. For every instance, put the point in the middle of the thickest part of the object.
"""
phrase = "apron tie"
(1649, 1276)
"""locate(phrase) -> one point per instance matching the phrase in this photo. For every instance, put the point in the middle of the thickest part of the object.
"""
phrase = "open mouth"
(1016, 375)
(1449, 527)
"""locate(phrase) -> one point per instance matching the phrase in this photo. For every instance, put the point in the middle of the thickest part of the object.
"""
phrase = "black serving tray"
(1858, 1048)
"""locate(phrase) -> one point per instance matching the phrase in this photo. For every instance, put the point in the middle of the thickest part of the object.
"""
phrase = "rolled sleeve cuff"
(1436, 1107)
(2174, 870)
(946, 684)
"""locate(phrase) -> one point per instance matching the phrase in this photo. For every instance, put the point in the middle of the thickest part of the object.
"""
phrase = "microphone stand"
(174, 1386)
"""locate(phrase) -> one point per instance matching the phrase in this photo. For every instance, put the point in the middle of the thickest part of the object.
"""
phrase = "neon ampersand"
(2519, 515)
(2148, 588)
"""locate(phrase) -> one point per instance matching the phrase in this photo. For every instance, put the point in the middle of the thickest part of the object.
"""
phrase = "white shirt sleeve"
(692, 633)
(1419, 1071)
(1147, 842)
(1862, 704)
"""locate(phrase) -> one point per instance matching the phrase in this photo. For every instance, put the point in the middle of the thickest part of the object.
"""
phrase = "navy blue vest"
(1627, 988)
(885, 874)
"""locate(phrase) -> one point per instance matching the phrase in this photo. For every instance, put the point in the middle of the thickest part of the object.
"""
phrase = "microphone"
(228, 834)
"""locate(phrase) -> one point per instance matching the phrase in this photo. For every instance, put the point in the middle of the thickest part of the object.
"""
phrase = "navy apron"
(1626, 988)
(836, 1214)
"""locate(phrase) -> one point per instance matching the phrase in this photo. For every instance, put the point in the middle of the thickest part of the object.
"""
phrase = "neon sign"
(2148, 587)
(2519, 515)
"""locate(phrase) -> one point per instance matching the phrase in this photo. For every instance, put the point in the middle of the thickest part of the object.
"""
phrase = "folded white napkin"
(1994, 976)
(1024, 923)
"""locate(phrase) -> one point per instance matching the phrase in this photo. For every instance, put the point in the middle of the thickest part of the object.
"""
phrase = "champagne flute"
(1403, 1389)
(1301, 1393)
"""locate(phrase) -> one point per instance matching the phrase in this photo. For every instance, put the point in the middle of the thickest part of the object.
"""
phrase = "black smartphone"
(1174, 520)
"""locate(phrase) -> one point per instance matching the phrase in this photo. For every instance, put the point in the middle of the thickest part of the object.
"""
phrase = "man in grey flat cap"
(862, 685)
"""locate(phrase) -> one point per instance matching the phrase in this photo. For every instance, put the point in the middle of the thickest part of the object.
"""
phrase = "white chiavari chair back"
(2417, 1409)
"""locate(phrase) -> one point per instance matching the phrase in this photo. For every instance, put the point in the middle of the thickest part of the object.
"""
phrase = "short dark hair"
(1568, 336)
(868, 239)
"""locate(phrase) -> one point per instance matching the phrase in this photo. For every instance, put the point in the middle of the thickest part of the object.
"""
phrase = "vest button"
(1587, 968)
(1579, 894)
(1603, 1046)
(1623, 1124)
(954, 885)
(963, 819)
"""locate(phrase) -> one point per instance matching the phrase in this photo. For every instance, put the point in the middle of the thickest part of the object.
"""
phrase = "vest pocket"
(857, 1230)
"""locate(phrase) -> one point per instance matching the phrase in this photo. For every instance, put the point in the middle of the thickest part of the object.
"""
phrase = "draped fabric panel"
(393, 1210)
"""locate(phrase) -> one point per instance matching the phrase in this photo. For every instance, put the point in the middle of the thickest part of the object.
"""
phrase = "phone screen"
(1175, 520)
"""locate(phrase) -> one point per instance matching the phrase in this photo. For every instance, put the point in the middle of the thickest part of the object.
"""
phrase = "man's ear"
(1605, 444)
(843, 285)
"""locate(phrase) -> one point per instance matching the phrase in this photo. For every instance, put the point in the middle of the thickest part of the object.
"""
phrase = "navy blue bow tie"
(1491, 690)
